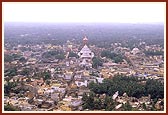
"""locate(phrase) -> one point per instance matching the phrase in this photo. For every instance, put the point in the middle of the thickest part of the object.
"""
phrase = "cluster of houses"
(70, 77)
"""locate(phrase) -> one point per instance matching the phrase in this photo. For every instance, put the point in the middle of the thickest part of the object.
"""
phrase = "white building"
(85, 55)
(79, 84)
(135, 51)
(115, 95)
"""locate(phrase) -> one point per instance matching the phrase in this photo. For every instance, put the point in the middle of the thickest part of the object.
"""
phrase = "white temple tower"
(85, 54)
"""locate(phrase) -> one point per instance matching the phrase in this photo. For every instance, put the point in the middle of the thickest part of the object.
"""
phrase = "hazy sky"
(85, 12)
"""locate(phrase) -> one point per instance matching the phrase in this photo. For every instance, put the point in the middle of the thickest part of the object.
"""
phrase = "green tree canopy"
(154, 53)
(46, 75)
(130, 85)
(112, 55)
(58, 54)
(9, 107)
(96, 62)
(72, 54)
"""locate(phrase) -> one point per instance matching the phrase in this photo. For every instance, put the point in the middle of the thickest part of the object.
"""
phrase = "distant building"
(85, 54)
(135, 51)
(115, 95)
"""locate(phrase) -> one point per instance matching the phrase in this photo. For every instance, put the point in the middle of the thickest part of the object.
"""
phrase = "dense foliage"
(46, 75)
(154, 53)
(11, 57)
(155, 88)
(26, 71)
(96, 62)
(8, 87)
(11, 71)
(131, 85)
(112, 55)
(22, 59)
(93, 101)
(72, 54)
(9, 107)
(100, 97)
(54, 54)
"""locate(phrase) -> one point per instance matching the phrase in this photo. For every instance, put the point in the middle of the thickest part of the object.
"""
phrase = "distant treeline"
(154, 53)
(101, 34)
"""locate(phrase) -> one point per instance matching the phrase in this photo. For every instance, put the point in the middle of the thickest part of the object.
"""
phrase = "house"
(77, 76)
(99, 80)
(79, 84)
(135, 51)
(118, 106)
(115, 95)
(76, 103)
(55, 96)
(45, 105)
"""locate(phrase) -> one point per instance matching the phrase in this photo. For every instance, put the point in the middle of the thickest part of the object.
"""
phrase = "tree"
(16, 56)
(8, 87)
(96, 62)
(155, 89)
(26, 71)
(118, 59)
(12, 72)
(130, 85)
(58, 54)
(106, 53)
(153, 53)
(112, 55)
(22, 59)
(46, 75)
(93, 102)
(8, 58)
(127, 107)
(109, 104)
(72, 54)
(97, 104)
(88, 101)
(8, 107)
(144, 106)
(48, 82)
(84, 97)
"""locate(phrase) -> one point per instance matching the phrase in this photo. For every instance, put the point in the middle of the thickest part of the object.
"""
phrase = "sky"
(153, 12)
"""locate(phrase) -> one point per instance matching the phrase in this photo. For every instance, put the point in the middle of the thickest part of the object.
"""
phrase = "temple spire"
(85, 40)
